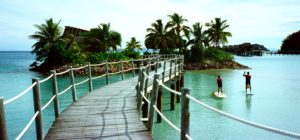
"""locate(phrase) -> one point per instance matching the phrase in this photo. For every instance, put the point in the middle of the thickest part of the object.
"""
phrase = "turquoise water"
(275, 103)
(15, 77)
(275, 82)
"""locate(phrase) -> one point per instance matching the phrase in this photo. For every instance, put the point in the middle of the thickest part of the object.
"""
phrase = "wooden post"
(156, 65)
(185, 113)
(178, 88)
(142, 85)
(164, 71)
(72, 80)
(90, 77)
(55, 92)
(175, 67)
(145, 108)
(179, 62)
(146, 79)
(132, 65)
(180, 85)
(37, 108)
(106, 72)
(122, 69)
(170, 74)
(153, 101)
(145, 105)
(159, 103)
(3, 129)
(138, 86)
(172, 95)
(182, 79)
(182, 64)
(142, 61)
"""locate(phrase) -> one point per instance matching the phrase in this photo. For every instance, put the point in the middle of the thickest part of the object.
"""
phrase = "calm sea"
(15, 77)
(275, 82)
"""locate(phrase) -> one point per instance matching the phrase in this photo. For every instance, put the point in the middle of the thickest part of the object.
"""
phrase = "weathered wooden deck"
(106, 113)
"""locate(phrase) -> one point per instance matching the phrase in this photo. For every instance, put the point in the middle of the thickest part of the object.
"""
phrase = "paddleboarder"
(248, 80)
(219, 82)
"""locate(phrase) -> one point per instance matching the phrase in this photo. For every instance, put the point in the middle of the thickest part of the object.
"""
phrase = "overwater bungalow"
(247, 49)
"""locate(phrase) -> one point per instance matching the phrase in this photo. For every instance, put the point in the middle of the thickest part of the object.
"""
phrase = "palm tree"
(199, 42)
(200, 37)
(133, 44)
(159, 37)
(47, 36)
(102, 39)
(217, 33)
(176, 24)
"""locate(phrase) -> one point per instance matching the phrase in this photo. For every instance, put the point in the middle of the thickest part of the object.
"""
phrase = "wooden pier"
(116, 111)
(106, 113)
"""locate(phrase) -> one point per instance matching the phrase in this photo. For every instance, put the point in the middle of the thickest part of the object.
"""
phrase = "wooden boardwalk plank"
(106, 113)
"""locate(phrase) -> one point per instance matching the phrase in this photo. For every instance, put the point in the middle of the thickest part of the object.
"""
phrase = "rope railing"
(146, 99)
(27, 126)
(257, 125)
(112, 73)
(97, 65)
(79, 68)
(48, 103)
(62, 92)
(111, 63)
(44, 80)
(97, 77)
(127, 70)
(168, 89)
(126, 61)
(165, 118)
(82, 82)
(153, 64)
(147, 76)
(137, 60)
(64, 72)
(20, 94)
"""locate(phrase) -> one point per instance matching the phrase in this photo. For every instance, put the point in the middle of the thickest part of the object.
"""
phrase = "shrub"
(217, 55)
(131, 53)
(197, 54)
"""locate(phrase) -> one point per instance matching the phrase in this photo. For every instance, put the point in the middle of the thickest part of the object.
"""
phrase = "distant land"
(291, 44)
(246, 49)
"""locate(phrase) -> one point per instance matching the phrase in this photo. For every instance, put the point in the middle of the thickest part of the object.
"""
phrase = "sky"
(265, 22)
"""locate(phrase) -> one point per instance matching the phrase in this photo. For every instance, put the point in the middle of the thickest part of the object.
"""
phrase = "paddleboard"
(248, 92)
(219, 95)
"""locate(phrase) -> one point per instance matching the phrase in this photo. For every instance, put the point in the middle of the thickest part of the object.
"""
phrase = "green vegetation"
(216, 32)
(291, 43)
(53, 49)
(195, 43)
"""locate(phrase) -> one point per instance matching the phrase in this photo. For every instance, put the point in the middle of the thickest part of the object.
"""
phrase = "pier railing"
(35, 87)
(152, 94)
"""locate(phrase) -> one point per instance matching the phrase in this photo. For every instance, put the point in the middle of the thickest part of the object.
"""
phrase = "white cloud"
(264, 21)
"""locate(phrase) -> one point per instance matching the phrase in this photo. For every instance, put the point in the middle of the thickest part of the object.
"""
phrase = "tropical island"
(201, 47)
(290, 45)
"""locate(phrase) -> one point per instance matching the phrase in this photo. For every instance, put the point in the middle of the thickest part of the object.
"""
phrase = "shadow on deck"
(106, 113)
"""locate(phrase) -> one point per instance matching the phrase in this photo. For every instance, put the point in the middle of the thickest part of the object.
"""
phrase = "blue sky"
(265, 22)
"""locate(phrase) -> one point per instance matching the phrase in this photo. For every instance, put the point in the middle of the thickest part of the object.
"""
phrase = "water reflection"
(248, 103)
(220, 105)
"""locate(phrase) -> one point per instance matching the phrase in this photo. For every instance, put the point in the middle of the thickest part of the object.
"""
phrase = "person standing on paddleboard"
(219, 82)
(248, 80)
